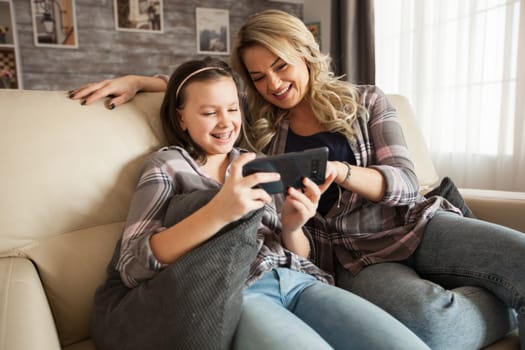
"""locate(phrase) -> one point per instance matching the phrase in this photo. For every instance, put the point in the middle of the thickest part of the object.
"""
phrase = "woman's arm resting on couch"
(120, 90)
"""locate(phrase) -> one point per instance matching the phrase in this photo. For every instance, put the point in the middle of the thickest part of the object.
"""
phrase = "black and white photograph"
(213, 31)
(54, 23)
(139, 15)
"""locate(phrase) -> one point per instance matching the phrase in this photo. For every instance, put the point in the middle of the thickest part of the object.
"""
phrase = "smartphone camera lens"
(315, 167)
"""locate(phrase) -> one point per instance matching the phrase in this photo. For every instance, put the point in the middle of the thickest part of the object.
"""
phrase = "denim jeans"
(288, 310)
(458, 289)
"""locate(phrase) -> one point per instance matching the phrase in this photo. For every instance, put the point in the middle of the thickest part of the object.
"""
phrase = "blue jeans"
(461, 288)
(288, 310)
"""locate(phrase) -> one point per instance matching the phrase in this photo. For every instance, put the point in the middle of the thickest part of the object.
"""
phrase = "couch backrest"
(425, 171)
(67, 175)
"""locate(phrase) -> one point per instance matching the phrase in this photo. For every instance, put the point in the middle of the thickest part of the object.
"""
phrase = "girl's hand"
(238, 196)
(299, 206)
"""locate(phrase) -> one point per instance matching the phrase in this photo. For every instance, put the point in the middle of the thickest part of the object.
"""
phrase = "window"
(457, 62)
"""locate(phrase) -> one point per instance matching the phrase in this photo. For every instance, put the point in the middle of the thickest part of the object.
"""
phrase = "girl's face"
(211, 115)
(282, 84)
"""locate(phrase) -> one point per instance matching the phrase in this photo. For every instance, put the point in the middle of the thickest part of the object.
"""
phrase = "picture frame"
(54, 23)
(139, 15)
(315, 29)
(213, 31)
(10, 72)
(6, 24)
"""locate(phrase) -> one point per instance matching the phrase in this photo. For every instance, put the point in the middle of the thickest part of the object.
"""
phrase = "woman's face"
(211, 115)
(280, 83)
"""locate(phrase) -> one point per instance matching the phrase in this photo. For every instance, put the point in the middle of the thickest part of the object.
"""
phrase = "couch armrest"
(26, 321)
(501, 207)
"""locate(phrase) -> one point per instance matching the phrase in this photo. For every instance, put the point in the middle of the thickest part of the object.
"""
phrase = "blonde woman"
(373, 229)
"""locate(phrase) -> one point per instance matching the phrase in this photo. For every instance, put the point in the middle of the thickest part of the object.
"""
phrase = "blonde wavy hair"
(334, 102)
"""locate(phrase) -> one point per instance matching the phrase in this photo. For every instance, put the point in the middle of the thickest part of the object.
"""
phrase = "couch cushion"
(71, 267)
(26, 321)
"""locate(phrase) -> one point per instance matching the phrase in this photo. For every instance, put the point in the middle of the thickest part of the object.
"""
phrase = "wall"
(320, 11)
(104, 52)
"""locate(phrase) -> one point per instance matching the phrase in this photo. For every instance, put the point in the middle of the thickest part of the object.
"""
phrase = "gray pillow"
(194, 303)
(448, 190)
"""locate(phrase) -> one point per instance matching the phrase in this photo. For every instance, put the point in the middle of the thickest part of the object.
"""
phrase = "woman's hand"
(119, 90)
(330, 176)
(238, 196)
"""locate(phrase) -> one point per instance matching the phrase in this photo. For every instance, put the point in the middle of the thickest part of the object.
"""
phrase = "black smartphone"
(292, 166)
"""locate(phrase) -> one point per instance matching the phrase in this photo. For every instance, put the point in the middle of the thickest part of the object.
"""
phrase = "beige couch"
(66, 177)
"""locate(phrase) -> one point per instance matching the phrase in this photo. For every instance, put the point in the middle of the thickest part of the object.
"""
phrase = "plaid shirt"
(172, 171)
(360, 232)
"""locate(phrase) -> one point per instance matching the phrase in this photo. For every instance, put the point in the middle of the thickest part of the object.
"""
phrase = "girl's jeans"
(471, 286)
(288, 310)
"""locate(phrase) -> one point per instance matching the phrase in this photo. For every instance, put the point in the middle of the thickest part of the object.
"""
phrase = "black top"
(339, 149)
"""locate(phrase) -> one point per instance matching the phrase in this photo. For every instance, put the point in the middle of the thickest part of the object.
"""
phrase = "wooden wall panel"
(103, 52)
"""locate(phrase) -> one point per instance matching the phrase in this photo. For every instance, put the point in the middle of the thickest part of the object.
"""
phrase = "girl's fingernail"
(83, 102)
(111, 106)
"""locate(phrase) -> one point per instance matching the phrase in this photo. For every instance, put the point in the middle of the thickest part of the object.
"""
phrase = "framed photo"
(213, 31)
(10, 77)
(315, 28)
(54, 23)
(6, 24)
(139, 15)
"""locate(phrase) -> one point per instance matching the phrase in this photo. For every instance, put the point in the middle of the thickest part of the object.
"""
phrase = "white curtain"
(461, 63)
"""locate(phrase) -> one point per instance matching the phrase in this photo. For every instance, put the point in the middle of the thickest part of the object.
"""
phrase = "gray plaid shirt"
(360, 232)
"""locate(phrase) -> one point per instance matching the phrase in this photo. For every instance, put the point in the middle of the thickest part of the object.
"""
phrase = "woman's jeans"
(288, 310)
(472, 275)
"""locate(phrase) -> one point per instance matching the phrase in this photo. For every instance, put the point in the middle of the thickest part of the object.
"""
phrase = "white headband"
(191, 75)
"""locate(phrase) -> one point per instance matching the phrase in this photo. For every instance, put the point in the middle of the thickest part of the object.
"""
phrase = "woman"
(288, 302)
(373, 229)
(375, 215)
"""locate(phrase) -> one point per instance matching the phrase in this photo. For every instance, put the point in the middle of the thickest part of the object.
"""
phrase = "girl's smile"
(211, 115)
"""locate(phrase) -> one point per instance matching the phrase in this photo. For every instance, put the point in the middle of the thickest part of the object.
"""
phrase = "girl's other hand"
(300, 206)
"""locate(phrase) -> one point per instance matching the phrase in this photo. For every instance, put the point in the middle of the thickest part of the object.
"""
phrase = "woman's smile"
(282, 93)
